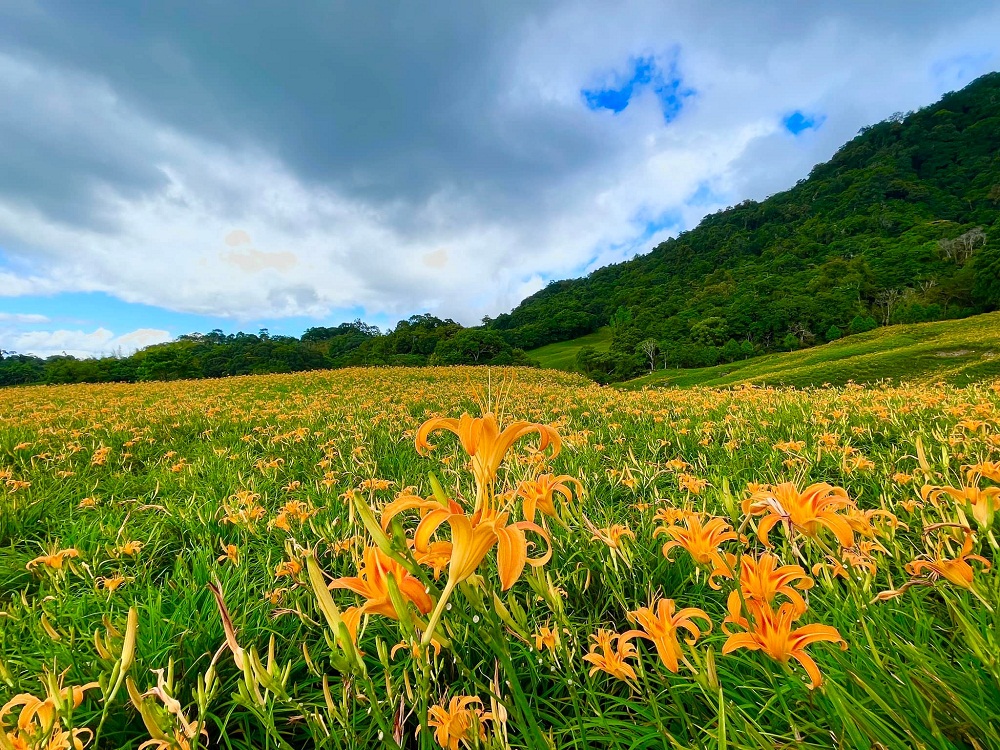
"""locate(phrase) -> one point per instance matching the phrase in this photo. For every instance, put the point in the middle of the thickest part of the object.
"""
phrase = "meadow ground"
(562, 354)
(656, 569)
(951, 351)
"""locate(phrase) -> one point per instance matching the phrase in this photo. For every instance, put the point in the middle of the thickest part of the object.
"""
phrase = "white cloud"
(81, 344)
(22, 318)
(171, 215)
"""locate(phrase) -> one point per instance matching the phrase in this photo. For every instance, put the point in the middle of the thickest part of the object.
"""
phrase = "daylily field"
(456, 558)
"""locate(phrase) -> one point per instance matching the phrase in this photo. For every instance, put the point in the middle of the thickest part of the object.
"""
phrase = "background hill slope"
(901, 225)
(954, 351)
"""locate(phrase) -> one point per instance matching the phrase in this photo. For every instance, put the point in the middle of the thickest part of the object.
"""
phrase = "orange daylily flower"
(372, 582)
(547, 638)
(614, 650)
(290, 568)
(53, 560)
(790, 446)
(486, 445)
(660, 624)
(111, 583)
(858, 557)
(985, 503)
(702, 542)
(771, 631)
(39, 714)
(671, 516)
(957, 570)
(972, 425)
(985, 469)
(691, 483)
(459, 722)
(230, 552)
(131, 549)
(761, 579)
(806, 512)
(540, 493)
(472, 537)
(862, 522)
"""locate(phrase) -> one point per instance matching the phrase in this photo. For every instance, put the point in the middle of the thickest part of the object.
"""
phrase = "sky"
(175, 167)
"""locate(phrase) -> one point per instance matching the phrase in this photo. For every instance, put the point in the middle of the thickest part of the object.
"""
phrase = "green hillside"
(955, 351)
(562, 355)
(902, 225)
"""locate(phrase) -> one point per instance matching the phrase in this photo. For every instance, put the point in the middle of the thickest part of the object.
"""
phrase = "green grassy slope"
(562, 355)
(955, 351)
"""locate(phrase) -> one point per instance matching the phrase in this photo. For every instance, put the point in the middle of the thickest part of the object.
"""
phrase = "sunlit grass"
(951, 351)
(562, 354)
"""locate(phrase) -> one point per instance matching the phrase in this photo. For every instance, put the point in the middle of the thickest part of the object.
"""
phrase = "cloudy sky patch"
(186, 166)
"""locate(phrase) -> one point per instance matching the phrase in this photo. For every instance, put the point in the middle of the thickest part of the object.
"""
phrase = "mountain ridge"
(900, 225)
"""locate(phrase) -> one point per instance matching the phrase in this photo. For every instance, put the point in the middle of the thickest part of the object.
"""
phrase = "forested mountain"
(901, 225)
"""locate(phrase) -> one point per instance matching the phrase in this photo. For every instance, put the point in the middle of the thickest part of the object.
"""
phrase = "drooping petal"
(764, 527)
(512, 554)
(815, 678)
(740, 640)
(547, 555)
(427, 526)
(404, 503)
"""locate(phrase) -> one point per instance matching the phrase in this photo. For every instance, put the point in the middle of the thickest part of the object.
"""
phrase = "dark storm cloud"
(385, 100)
(388, 102)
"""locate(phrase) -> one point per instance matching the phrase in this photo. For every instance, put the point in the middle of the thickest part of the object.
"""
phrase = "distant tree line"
(420, 340)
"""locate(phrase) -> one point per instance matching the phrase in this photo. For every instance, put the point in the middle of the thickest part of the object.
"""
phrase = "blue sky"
(797, 122)
(88, 310)
(163, 171)
(660, 79)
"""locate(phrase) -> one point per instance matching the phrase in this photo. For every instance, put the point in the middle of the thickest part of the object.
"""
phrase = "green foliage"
(987, 287)
(476, 346)
(899, 226)
(790, 342)
(608, 367)
(412, 343)
(833, 333)
(709, 331)
(861, 324)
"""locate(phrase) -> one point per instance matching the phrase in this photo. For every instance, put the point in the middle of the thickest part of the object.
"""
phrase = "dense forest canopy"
(901, 225)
